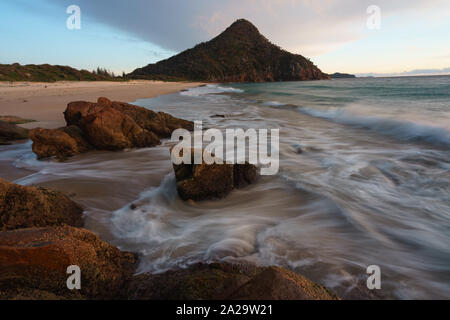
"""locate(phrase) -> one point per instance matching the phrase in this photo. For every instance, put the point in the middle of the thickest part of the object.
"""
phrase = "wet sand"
(45, 102)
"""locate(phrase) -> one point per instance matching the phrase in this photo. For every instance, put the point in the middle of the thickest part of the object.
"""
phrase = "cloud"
(308, 27)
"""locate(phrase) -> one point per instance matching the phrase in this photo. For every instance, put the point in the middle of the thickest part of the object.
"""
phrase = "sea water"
(364, 180)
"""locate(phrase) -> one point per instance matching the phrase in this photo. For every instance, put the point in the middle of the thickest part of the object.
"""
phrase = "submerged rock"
(33, 264)
(297, 148)
(201, 182)
(211, 181)
(105, 125)
(25, 207)
(10, 132)
(244, 174)
(225, 281)
(15, 119)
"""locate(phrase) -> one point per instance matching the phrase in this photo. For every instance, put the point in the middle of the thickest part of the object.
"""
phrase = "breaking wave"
(209, 89)
(400, 129)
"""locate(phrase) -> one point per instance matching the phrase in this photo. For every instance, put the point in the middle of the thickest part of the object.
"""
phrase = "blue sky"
(37, 35)
(123, 35)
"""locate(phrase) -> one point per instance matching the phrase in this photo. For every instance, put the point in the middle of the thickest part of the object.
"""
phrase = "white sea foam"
(209, 89)
(274, 104)
(400, 129)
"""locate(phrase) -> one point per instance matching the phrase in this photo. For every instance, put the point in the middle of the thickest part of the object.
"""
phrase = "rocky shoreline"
(10, 132)
(41, 230)
(104, 125)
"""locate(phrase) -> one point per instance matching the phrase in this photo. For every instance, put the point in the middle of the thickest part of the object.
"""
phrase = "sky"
(412, 38)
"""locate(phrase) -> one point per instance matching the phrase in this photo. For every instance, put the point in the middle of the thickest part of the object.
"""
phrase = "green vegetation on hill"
(239, 54)
(51, 73)
(339, 75)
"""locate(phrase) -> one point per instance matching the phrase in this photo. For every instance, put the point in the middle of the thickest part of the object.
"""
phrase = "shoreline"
(45, 102)
(46, 214)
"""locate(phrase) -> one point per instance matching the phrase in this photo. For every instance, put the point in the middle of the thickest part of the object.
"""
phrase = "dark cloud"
(304, 26)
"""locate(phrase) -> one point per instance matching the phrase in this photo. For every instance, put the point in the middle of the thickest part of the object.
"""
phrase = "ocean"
(364, 180)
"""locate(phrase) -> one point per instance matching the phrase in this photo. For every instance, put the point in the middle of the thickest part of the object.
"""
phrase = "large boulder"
(109, 129)
(34, 262)
(159, 123)
(202, 181)
(60, 143)
(105, 125)
(10, 132)
(211, 181)
(225, 281)
(25, 207)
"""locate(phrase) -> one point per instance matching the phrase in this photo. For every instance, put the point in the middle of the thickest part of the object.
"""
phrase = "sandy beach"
(45, 102)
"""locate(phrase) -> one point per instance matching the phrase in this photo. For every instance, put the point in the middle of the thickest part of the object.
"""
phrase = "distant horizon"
(358, 75)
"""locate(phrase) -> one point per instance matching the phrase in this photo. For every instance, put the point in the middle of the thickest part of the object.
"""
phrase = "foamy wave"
(143, 224)
(403, 130)
(274, 104)
(209, 89)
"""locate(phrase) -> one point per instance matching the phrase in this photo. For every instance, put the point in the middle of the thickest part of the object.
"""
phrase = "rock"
(275, 283)
(202, 182)
(225, 281)
(109, 129)
(14, 119)
(77, 110)
(105, 125)
(244, 174)
(32, 294)
(297, 148)
(33, 263)
(161, 124)
(25, 207)
(214, 181)
(60, 143)
(10, 132)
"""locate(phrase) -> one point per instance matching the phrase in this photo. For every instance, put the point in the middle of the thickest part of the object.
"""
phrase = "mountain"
(239, 54)
(49, 73)
(339, 75)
